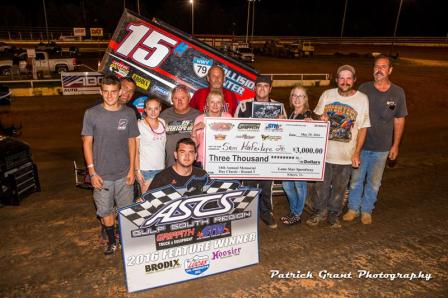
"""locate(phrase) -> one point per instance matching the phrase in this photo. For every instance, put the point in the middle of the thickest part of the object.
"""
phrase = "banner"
(96, 32)
(159, 57)
(76, 83)
(171, 237)
(265, 149)
(79, 31)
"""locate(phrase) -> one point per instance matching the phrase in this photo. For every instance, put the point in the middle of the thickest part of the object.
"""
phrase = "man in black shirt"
(182, 174)
(263, 87)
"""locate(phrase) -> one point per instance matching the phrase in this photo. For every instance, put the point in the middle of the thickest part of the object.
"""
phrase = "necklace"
(154, 132)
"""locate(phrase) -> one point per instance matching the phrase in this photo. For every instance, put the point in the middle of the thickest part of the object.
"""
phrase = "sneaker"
(315, 219)
(333, 220)
(287, 217)
(291, 219)
(269, 220)
(366, 218)
(350, 215)
(110, 249)
(335, 224)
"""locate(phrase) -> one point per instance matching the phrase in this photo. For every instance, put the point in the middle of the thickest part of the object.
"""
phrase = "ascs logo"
(197, 265)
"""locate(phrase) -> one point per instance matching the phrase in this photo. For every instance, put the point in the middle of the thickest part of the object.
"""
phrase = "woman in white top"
(150, 157)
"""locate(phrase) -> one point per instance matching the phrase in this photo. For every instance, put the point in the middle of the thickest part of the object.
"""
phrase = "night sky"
(272, 17)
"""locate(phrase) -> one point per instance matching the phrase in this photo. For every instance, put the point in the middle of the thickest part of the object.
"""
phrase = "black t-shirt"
(384, 107)
(192, 183)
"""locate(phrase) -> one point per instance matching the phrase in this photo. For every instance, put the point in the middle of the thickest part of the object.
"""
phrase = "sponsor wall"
(76, 83)
(171, 238)
(158, 57)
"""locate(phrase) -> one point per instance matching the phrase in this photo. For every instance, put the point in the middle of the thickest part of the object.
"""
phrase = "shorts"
(113, 191)
(149, 175)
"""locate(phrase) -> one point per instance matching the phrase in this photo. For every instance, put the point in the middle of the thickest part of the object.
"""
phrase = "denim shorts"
(149, 175)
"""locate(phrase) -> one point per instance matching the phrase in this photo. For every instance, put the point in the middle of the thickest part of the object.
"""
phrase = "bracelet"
(93, 175)
(90, 165)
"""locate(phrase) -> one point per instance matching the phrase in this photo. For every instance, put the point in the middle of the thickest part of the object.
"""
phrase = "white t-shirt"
(152, 146)
(347, 114)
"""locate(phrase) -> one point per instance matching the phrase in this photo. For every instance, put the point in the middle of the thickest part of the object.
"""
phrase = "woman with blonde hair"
(296, 191)
(214, 108)
(150, 157)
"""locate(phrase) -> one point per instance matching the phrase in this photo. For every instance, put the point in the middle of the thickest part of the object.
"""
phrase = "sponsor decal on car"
(141, 82)
(119, 68)
(201, 66)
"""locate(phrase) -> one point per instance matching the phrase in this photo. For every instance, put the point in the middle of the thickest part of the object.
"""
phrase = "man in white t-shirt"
(348, 112)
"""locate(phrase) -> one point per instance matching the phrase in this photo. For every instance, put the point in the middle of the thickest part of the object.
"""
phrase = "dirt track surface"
(49, 245)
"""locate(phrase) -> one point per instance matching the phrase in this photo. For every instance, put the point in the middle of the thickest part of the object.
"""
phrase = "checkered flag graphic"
(242, 202)
(218, 186)
(137, 214)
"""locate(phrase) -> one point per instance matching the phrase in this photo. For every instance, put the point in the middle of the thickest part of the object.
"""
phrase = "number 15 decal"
(146, 47)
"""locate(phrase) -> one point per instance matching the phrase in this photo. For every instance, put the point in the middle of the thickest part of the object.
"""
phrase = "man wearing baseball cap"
(348, 112)
(263, 87)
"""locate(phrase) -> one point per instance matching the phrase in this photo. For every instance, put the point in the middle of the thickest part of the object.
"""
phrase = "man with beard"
(127, 95)
(387, 106)
(348, 113)
(215, 78)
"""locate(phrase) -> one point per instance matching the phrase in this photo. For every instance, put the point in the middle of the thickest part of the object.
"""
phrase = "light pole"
(396, 24)
(398, 18)
(343, 18)
(45, 17)
(248, 16)
(192, 16)
(253, 21)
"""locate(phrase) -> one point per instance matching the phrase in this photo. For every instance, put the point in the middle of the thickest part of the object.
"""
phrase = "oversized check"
(265, 149)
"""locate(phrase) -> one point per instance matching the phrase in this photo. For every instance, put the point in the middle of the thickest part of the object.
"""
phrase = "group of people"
(166, 147)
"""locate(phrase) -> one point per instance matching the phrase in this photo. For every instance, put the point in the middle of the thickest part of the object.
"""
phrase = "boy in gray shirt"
(109, 132)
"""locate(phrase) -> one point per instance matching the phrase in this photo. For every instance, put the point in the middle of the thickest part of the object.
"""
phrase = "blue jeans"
(330, 192)
(296, 193)
(366, 181)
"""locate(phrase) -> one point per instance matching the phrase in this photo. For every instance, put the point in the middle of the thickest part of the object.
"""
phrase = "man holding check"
(245, 109)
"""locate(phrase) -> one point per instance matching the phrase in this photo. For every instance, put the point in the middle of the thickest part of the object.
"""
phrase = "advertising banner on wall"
(173, 237)
(268, 149)
(158, 57)
(76, 83)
